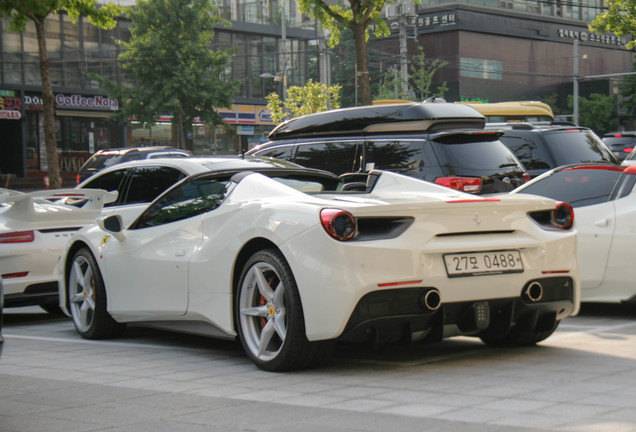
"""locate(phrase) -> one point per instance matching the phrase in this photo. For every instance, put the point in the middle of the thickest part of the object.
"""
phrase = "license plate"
(483, 263)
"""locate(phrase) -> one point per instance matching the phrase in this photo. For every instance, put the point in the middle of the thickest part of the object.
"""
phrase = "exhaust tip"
(431, 300)
(533, 292)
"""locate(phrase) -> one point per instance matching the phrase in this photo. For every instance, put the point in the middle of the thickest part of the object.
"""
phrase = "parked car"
(33, 231)
(604, 201)
(443, 143)
(32, 239)
(106, 158)
(542, 147)
(620, 143)
(290, 260)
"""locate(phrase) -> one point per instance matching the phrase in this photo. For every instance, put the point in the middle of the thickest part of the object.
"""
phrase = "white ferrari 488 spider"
(288, 262)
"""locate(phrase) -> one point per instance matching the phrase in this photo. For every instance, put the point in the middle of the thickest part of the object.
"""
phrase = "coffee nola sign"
(63, 101)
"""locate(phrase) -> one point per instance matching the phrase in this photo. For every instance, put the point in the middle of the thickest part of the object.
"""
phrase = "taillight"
(17, 237)
(464, 184)
(563, 216)
(77, 180)
(526, 177)
(628, 149)
(339, 224)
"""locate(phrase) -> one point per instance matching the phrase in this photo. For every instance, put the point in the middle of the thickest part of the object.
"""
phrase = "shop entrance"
(11, 161)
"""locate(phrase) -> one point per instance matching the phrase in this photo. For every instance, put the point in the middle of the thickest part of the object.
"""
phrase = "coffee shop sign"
(584, 36)
(89, 102)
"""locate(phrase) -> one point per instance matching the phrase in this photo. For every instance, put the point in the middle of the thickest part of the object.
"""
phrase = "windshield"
(479, 158)
(577, 146)
(579, 187)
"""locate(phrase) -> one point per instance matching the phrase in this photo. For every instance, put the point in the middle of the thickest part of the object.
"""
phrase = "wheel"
(517, 338)
(269, 316)
(87, 299)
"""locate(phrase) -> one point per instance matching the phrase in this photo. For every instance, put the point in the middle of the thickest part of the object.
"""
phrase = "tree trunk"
(48, 109)
(364, 85)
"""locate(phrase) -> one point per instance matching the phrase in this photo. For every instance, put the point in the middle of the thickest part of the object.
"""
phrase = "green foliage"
(596, 112)
(20, 12)
(620, 19)
(334, 17)
(171, 64)
(310, 98)
(628, 90)
(421, 73)
(389, 85)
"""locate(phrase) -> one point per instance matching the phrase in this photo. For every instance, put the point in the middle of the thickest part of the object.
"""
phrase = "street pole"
(575, 89)
(404, 75)
(283, 39)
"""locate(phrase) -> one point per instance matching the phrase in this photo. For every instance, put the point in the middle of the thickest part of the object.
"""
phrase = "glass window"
(147, 183)
(337, 157)
(579, 187)
(404, 157)
(476, 158)
(532, 156)
(480, 68)
(190, 199)
(109, 182)
(279, 152)
(577, 146)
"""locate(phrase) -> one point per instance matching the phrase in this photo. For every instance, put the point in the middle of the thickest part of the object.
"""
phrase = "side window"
(337, 157)
(110, 182)
(147, 183)
(189, 199)
(528, 153)
(279, 152)
(405, 157)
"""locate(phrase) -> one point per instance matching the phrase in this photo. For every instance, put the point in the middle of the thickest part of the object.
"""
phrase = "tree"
(628, 90)
(619, 18)
(596, 112)
(390, 85)
(421, 75)
(362, 18)
(20, 12)
(171, 66)
(312, 97)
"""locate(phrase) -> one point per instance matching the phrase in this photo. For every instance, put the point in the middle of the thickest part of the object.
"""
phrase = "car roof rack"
(390, 118)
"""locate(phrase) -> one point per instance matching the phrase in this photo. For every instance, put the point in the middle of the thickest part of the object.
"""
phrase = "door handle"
(180, 252)
(602, 223)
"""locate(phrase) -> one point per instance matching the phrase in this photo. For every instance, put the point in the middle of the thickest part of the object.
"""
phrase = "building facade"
(511, 50)
(84, 113)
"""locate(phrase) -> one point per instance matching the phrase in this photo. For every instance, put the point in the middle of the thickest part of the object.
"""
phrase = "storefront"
(246, 126)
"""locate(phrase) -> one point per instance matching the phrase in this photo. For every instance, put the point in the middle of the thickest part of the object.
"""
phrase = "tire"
(518, 338)
(87, 299)
(269, 316)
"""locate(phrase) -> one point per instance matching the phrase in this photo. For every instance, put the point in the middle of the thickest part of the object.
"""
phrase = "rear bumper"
(34, 295)
(392, 315)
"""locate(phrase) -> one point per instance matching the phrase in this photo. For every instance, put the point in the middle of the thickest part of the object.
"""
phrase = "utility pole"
(404, 74)
(575, 84)
(283, 41)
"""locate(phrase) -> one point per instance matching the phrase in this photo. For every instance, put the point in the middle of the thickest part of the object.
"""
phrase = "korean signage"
(425, 22)
(10, 105)
(584, 36)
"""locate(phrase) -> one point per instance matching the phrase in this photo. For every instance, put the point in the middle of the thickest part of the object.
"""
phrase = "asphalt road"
(580, 379)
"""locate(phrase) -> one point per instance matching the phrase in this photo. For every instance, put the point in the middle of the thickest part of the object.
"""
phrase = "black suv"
(443, 143)
(105, 158)
(620, 143)
(541, 147)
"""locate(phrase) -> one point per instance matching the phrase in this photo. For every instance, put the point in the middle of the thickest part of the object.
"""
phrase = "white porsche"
(288, 263)
(604, 201)
(33, 231)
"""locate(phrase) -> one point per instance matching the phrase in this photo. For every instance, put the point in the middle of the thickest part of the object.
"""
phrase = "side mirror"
(113, 225)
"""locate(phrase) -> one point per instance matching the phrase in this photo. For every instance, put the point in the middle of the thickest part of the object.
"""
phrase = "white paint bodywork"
(181, 274)
(53, 225)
